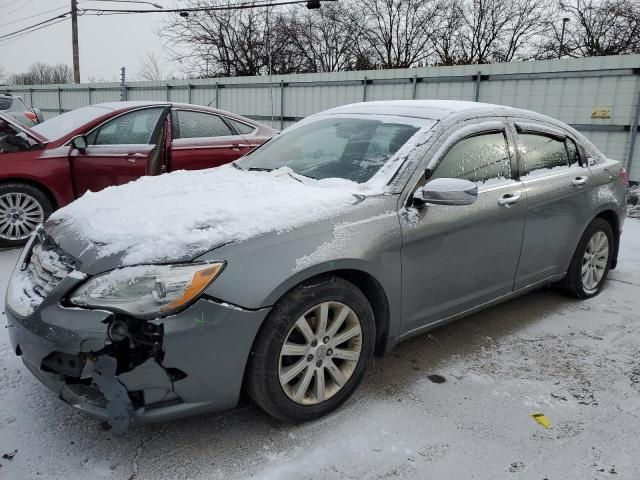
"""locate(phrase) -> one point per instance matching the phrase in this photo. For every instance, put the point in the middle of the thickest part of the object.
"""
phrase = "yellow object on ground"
(541, 419)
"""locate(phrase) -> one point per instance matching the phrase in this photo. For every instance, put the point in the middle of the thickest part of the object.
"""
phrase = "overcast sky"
(106, 42)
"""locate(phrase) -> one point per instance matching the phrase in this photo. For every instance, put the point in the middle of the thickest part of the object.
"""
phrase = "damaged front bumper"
(164, 369)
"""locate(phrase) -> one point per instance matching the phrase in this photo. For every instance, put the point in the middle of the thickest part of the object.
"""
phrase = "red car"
(53, 163)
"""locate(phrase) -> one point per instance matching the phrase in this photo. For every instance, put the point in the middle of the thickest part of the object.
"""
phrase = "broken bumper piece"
(168, 368)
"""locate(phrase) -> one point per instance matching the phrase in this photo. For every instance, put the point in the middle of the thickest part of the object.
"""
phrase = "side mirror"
(446, 191)
(39, 114)
(79, 142)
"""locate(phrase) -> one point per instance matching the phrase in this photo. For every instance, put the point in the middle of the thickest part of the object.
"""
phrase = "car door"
(203, 140)
(556, 178)
(455, 258)
(118, 151)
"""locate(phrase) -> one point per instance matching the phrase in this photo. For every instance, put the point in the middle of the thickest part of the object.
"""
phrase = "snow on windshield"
(189, 212)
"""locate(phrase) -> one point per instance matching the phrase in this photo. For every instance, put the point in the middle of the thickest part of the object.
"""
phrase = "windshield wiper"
(259, 169)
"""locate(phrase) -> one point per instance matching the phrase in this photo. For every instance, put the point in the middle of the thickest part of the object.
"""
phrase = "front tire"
(312, 351)
(591, 261)
(22, 208)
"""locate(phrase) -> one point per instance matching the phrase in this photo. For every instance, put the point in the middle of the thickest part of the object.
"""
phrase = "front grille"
(46, 269)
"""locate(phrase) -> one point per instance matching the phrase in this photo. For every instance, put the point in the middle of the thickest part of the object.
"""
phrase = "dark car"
(98, 146)
(15, 107)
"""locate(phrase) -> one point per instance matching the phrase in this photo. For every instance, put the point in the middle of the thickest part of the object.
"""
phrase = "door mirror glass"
(79, 143)
(447, 191)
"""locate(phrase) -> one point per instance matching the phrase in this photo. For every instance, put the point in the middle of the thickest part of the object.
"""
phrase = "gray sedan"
(283, 274)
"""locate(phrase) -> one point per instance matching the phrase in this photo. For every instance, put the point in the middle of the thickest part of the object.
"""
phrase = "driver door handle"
(132, 157)
(509, 199)
(576, 182)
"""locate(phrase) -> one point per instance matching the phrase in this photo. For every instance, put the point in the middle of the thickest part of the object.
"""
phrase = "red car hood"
(26, 130)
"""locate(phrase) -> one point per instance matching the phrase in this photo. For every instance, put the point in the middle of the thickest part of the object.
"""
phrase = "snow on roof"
(433, 109)
(157, 219)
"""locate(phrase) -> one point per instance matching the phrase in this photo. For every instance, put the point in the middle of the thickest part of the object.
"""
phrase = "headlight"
(147, 291)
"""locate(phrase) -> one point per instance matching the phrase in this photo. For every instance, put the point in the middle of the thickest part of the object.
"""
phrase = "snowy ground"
(577, 362)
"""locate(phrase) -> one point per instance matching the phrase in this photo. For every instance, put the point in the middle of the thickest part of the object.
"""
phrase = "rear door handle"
(576, 182)
(509, 199)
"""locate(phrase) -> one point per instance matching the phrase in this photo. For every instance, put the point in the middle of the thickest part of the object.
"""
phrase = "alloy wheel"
(20, 214)
(594, 261)
(320, 353)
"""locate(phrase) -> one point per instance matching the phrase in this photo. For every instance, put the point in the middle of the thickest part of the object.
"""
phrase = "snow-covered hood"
(177, 216)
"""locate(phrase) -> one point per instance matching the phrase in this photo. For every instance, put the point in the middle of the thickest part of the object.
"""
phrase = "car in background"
(94, 147)
(15, 107)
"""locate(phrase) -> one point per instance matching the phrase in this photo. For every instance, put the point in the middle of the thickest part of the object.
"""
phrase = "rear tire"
(303, 367)
(591, 261)
(22, 208)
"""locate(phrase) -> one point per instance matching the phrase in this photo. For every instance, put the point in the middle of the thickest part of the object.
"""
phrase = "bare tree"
(394, 33)
(595, 27)
(150, 67)
(324, 38)
(487, 31)
(230, 42)
(42, 74)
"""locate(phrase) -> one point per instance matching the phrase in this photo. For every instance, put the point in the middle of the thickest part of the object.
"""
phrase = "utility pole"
(74, 41)
(564, 23)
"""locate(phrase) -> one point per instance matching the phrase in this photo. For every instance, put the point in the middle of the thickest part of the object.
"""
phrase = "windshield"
(61, 125)
(349, 147)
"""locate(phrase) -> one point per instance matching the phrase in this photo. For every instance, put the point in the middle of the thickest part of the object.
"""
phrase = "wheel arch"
(370, 286)
(33, 183)
(612, 218)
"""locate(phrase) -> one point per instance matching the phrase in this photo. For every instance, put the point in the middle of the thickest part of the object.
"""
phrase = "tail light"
(31, 116)
(622, 175)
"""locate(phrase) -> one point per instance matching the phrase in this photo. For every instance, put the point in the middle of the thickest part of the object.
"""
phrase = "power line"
(18, 20)
(6, 41)
(237, 6)
(49, 20)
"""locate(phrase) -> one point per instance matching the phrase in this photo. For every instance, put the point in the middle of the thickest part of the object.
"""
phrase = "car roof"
(126, 105)
(429, 109)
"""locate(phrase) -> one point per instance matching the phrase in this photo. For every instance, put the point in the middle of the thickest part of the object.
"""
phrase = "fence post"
(30, 97)
(188, 93)
(60, 100)
(217, 103)
(477, 90)
(281, 104)
(89, 92)
(634, 135)
(167, 92)
(123, 84)
(415, 85)
(364, 89)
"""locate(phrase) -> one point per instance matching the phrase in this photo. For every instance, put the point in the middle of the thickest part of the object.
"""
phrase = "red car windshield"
(64, 124)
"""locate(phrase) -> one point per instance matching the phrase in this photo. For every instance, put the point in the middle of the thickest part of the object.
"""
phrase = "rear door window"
(199, 125)
(541, 153)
